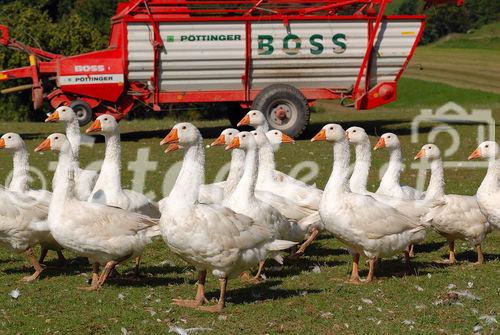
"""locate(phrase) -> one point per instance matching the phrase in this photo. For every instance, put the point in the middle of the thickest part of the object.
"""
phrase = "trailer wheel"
(285, 107)
(83, 112)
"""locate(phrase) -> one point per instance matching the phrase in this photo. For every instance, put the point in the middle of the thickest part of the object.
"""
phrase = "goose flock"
(231, 227)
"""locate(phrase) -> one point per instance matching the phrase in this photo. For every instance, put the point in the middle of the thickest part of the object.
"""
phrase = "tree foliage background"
(76, 26)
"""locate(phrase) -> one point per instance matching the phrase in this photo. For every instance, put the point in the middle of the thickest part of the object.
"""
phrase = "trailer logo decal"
(292, 44)
(90, 68)
(91, 79)
(207, 38)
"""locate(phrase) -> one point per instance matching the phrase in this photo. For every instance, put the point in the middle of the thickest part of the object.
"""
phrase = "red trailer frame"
(119, 97)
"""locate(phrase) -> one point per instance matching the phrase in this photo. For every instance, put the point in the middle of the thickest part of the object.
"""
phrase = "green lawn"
(308, 297)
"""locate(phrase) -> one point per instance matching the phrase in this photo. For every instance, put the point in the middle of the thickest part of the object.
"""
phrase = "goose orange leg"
(480, 256)
(217, 308)
(355, 270)
(36, 265)
(43, 254)
(371, 272)
(200, 294)
(302, 249)
(452, 258)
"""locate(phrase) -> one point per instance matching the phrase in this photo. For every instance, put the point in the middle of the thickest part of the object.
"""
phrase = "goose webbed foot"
(36, 265)
(200, 298)
(217, 308)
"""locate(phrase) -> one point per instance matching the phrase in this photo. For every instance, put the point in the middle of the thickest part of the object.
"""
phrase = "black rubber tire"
(234, 113)
(286, 95)
(83, 112)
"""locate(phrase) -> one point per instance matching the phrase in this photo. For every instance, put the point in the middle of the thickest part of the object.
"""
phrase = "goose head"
(254, 118)
(488, 149)
(225, 137)
(12, 142)
(260, 138)
(105, 125)
(429, 151)
(62, 114)
(331, 132)
(245, 140)
(55, 142)
(182, 135)
(277, 137)
(356, 135)
(387, 140)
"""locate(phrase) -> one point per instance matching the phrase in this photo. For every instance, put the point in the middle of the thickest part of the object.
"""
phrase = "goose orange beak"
(380, 144)
(221, 140)
(172, 147)
(172, 137)
(2, 143)
(475, 154)
(94, 127)
(235, 143)
(287, 139)
(245, 121)
(44, 146)
(420, 154)
(321, 136)
(54, 117)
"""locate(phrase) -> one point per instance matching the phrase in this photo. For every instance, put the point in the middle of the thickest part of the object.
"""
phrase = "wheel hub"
(281, 114)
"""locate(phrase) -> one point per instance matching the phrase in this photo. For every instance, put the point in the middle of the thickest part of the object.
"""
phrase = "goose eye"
(9, 137)
(244, 136)
(354, 131)
(56, 138)
(276, 133)
(388, 137)
(484, 146)
(254, 114)
(429, 148)
(331, 128)
(230, 133)
(184, 127)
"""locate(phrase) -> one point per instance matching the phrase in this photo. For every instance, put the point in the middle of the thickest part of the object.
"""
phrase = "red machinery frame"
(119, 99)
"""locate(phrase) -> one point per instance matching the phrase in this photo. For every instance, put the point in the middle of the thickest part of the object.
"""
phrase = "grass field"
(307, 297)
(462, 60)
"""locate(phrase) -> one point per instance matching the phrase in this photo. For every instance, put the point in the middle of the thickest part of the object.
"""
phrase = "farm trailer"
(273, 55)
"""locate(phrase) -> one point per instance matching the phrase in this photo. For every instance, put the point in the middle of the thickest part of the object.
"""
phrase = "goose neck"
(74, 136)
(245, 191)
(266, 162)
(236, 170)
(491, 180)
(394, 168)
(337, 183)
(359, 178)
(19, 182)
(435, 189)
(191, 177)
(63, 186)
(263, 127)
(110, 175)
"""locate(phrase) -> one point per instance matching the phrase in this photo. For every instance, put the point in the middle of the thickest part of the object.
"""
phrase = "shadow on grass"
(428, 247)
(471, 256)
(261, 292)
(389, 268)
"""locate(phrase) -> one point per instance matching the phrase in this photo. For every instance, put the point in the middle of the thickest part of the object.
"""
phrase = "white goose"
(14, 144)
(455, 217)
(85, 179)
(108, 189)
(23, 224)
(209, 236)
(106, 235)
(274, 181)
(389, 185)
(488, 194)
(359, 178)
(365, 225)
(244, 201)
